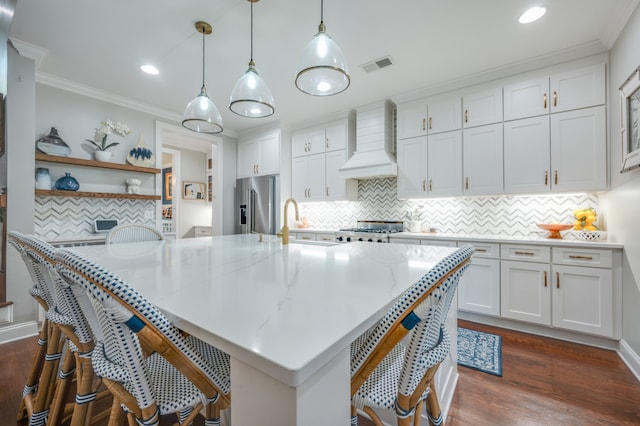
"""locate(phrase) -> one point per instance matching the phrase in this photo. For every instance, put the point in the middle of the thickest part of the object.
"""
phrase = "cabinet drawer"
(325, 237)
(438, 243)
(488, 250)
(525, 253)
(583, 257)
(202, 231)
(412, 241)
(305, 236)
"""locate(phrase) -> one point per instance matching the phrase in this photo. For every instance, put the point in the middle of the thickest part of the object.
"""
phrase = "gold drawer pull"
(424, 123)
(545, 278)
(481, 250)
(545, 101)
(571, 256)
(430, 184)
(466, 115)
(557, 279)
(555, 98)
(430, 127)
(524, 253)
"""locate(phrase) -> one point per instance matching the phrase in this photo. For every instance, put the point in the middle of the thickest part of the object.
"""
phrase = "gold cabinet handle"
(327, 191)
(257, 168)
(466, 182)
(466, 115)
(305, 237)
(430, 184)
(480, 250)
(326, 144)
(557, 279)
(555, 177)
(430, 123)
(544, 103)
(524, 253)
(424, 185)
(546, 178)
(571, 256)
(424, 123)
(555, 98)
(545, 278)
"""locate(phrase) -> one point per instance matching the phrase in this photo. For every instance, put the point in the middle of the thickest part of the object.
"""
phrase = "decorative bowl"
(591, 235)
(554, 229)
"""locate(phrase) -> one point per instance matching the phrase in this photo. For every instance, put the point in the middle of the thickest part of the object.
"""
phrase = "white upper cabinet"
(259, 155)
(429, 116)
(412, 168)
(411, 119)
(444, 164)
(308, 142)
(527, 152)
(579, 150)
(318, 153)
(527, 98)
(482, 162)
(445, 114)
(430, 166)
(574, 89)
(578, 88)
(482, 106)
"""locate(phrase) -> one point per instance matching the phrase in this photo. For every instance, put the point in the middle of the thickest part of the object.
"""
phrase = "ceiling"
(99, 45)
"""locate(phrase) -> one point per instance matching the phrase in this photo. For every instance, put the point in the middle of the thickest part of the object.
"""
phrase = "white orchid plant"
(109, 128)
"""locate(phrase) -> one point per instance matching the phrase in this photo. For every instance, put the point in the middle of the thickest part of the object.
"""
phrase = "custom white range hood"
(374, 156)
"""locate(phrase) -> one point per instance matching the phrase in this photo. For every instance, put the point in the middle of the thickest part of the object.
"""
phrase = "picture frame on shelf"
(629, 121)
(193, 190)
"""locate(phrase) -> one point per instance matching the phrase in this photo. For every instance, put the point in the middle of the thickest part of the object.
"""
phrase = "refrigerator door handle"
(252, 210)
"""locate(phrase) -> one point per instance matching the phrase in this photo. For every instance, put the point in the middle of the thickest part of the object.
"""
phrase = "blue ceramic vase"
(67, 183)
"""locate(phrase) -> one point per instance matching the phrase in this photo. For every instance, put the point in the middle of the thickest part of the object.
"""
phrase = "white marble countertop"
(285, 310)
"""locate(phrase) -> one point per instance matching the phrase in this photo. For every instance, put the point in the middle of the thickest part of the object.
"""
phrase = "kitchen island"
(286, 314)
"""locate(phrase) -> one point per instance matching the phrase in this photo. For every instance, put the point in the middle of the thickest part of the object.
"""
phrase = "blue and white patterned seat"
(180, 374)
(133, 232)
(65, 315)
(393, 363)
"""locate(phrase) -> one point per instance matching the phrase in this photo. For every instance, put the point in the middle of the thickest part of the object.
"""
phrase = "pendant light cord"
(203, 31)
(251, 59)
(321, 11)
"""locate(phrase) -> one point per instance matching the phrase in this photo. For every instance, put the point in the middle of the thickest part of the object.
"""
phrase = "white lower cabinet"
(569, 295)
(479, 287)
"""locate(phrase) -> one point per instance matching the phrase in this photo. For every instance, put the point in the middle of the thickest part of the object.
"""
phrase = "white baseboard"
(630, 358)
(18, 331)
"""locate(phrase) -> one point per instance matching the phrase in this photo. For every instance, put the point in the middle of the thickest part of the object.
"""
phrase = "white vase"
(102, 155)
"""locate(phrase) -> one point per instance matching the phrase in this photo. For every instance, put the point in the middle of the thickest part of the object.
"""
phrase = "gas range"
(374, 231)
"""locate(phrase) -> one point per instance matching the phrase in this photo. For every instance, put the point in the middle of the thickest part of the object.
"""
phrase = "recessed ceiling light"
(532, 14)
(150, 69)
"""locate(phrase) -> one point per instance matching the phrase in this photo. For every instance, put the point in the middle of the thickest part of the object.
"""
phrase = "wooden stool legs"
(30, 387)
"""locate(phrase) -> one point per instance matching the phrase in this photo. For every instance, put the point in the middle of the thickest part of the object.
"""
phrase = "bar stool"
(394, 362)
(133, 232)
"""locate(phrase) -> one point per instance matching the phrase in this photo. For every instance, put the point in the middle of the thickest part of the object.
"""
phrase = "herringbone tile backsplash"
(504, 215)
(60, 218)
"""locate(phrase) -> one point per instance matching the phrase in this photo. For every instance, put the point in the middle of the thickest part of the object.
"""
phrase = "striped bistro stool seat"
(133, 232)
(394, 362)
(150, 367)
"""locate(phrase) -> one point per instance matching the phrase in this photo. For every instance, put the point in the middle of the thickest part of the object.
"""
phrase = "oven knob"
(360, 239)
(370, 240)
(348, 239)
(380, 241)
(339, 238)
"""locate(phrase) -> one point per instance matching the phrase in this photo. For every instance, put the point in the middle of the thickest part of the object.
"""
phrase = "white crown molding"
(101, 95)
(30, 51)
(555, 58)
(615, 25)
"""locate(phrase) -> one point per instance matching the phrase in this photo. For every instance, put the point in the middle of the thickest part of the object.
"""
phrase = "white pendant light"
(251, 96)
(201, 114)
(322, 70)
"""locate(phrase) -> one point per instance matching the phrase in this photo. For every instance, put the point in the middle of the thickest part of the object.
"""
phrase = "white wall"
(20, 177)
(621, 205)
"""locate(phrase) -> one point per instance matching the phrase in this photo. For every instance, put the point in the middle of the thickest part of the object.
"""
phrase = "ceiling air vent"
(377, 64)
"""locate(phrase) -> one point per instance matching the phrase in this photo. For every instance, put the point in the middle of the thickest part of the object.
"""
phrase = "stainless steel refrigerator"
(256, 204)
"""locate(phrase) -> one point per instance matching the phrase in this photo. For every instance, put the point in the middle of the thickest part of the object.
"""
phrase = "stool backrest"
(39, 290)
(133, 232)
(421, 305)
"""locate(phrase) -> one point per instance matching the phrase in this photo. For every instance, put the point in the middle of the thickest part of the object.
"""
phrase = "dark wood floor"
(544, 382)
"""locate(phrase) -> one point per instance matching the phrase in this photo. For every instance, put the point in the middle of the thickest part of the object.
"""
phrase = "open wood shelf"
(57, 193)
(94, 163)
